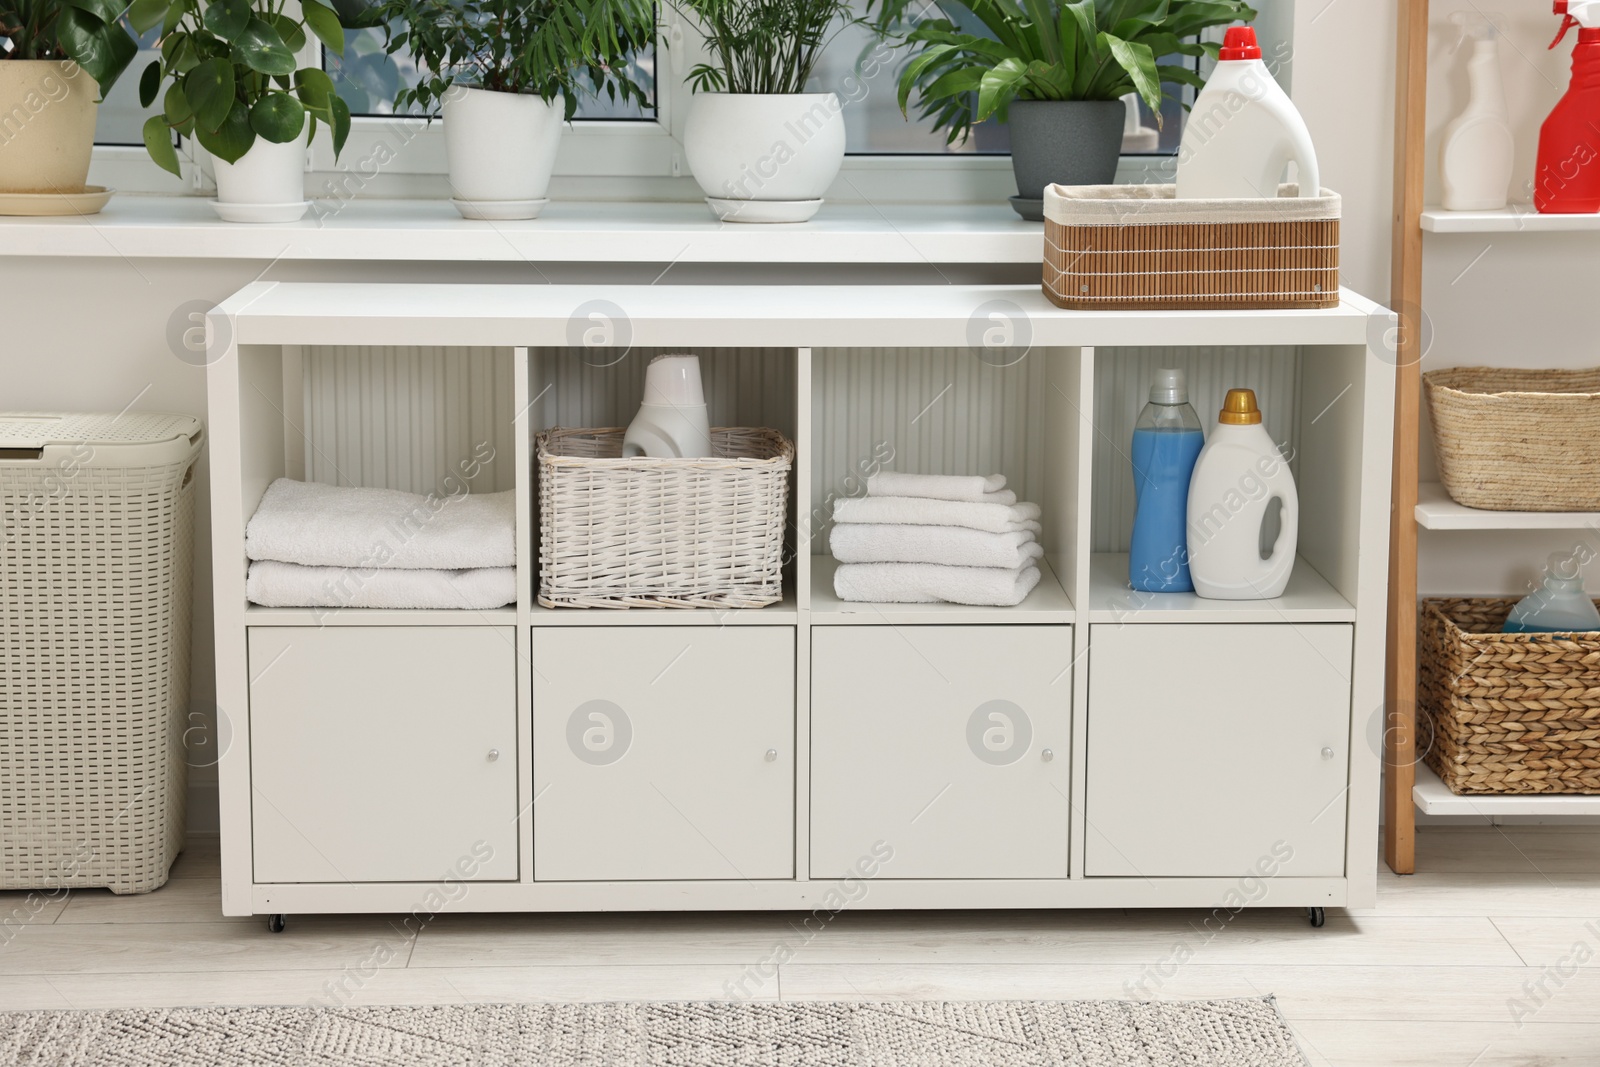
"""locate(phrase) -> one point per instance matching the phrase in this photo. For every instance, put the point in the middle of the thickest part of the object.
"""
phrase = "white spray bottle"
(1243, 131)
(1476, 156)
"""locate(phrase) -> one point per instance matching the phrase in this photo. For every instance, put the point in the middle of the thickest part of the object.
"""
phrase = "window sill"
(175, 227)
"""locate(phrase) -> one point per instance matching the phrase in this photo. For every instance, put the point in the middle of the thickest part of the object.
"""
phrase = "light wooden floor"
(1433, 975)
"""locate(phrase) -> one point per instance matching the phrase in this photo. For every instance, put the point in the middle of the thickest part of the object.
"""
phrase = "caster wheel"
(275, 923)
(1317, 917)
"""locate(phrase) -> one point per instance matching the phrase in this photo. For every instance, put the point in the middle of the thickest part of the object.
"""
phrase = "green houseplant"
(1054, 71)
(233, 84)
(762, 148)
(505, 75)
(62, 55)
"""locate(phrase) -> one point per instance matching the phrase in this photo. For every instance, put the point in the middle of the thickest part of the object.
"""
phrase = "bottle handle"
(1288, 530)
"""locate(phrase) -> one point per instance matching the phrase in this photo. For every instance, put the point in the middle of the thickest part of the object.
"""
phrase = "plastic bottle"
(1166, 440)
(1476, 154)
(1243, 131)
(1559, 605)
(672, 422)
(1239, 474)
(1567, 177)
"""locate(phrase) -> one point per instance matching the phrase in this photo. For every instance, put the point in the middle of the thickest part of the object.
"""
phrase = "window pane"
(120, 119)
(368, 80)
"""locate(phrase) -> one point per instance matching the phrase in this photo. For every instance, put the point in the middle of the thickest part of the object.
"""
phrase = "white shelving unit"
(1083, 749)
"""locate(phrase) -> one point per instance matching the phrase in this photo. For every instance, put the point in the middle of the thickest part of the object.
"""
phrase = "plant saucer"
(763, 210)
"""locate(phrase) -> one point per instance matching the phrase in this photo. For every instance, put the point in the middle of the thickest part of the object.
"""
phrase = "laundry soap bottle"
(1559, 605)
(1567, 175)
(1243, 131)
(1476, 155)
(1166, 440)
(1237, 479)
(672, 423)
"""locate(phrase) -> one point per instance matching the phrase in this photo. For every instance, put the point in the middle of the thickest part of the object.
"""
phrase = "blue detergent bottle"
(1559, 605)
(1166, 442)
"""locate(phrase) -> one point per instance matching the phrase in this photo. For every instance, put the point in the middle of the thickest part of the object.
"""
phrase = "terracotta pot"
(47, 112)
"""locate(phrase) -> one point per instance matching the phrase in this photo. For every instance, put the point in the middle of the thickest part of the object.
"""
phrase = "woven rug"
(1217, 1033)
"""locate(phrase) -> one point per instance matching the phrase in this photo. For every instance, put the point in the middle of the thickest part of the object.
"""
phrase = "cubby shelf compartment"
(1436, 511)
(1433, 797)
(1048, 603)
(1309, 598)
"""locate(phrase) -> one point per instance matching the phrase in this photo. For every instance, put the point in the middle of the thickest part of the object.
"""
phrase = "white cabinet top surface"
(1013, 317)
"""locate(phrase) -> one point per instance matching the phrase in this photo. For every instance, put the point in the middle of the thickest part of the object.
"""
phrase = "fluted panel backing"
(931, 410)
(407, 418)
(1122, 379)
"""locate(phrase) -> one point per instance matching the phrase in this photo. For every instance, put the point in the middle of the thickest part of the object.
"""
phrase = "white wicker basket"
(677, 533)
(96, 542)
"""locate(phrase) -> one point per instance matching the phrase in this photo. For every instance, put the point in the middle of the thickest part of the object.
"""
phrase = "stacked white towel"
(924, 538)
(324, 546)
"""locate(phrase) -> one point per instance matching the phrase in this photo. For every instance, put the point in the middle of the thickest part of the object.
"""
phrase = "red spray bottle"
(1567, 181)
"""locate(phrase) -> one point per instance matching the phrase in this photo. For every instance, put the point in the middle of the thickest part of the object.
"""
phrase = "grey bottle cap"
(1171, 387)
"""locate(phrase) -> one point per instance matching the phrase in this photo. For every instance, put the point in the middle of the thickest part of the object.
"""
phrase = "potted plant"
(56, 60)
(505, 75)
(232, 84)
(1055, 71)
(762, 148)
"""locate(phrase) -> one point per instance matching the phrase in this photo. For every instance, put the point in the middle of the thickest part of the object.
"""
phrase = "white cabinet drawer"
(370, 753)
(663, 752)
(933, 741)
(1213, 748)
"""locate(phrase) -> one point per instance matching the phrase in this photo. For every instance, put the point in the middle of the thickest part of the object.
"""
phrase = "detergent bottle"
(1166, 440)
(1476, 153)
(1567, 179)
(1243, 131)
(1559, 605)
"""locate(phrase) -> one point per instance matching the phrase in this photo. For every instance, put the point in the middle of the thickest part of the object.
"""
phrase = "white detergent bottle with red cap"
(1243, 131)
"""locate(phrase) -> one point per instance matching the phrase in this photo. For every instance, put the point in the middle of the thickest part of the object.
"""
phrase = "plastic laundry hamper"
(96, 544)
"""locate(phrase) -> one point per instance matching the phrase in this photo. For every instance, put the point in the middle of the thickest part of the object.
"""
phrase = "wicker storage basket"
(1517, 440)
(1510, 713)
(1117, 247)
(675, 533)
(96, 544)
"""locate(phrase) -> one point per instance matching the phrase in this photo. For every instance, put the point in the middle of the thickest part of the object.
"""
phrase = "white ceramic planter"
(502, 150)
(47, 135)
(267, 184)
(765, 158)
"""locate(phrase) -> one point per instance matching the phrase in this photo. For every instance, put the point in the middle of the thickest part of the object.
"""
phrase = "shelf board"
(254, 615)
(1436, 511)
(1518, 218)
(1048, 603)
(784, 613)
(1433, 797)
(1309, 598)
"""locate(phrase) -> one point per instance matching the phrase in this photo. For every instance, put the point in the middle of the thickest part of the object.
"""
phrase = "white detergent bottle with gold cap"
(1240, 481)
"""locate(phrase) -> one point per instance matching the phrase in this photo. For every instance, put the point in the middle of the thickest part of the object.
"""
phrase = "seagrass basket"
(1509, 713)
(674, 533)
(1137, 247)
(1517, 440)
(96, 549)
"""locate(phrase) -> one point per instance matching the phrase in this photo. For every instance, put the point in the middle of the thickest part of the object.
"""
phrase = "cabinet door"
(946, 744)
(1213, 748)
(663, 752)
(383, 753)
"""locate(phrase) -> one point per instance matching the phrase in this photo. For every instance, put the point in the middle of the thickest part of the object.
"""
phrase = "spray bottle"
(1567, 181)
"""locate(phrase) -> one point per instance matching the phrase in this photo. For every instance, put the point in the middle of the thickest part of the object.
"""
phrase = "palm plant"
(764, 46)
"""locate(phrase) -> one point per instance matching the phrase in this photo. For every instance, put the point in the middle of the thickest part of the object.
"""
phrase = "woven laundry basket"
(96, 543)
(675, 533)
(1120, 247)
(1509, 713)
(1517, 440)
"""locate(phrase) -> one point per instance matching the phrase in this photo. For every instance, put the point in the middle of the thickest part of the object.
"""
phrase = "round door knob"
(494, 754)
(772, 755)
(1047, 755)
(1327, 753)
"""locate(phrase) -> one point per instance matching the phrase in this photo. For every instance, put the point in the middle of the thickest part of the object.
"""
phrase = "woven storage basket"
(1517, 440)
(96, 544)
(676, 533)
(1117, 247)
(1510, 713)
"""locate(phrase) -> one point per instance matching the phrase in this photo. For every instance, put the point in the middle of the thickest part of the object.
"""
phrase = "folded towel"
(288, 585)
(984, 490)
(915, 511)
(928, 583)
(328, 526)
(953, 546)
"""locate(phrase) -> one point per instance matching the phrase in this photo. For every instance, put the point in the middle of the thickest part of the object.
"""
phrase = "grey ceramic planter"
(1066, 142)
